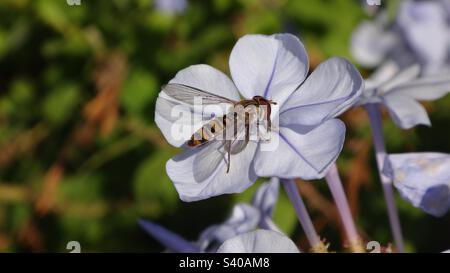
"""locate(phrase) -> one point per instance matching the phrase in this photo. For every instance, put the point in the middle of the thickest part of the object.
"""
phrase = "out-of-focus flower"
(171, 6)
(305, 139)
(266, 197)
(244, 218)
(446, 5)
(400, 91)
(371, 43)
(419, 34)
(426, 28)
(259, 241)
(422, 179)
(172, 241)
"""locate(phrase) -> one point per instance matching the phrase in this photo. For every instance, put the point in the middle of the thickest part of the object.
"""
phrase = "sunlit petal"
(269, 66)
(259, 241)
(422, 179)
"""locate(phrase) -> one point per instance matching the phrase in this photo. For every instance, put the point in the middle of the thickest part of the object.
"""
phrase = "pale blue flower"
(400, 91)
(259, 241)
(446, 5)
(172, 241)
(420, 34)
(266, 197)
(171, 6)
(244, 218)
(426, 28)
(423, 179)
(307, 135)
(372, 42)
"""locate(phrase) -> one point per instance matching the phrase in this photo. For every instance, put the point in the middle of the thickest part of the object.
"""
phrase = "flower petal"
(259, 241)
(200, 173)
(446, 4)
(405, 111)
(422, 179)
(269, 66)
(172, 241)
(266, 197)
(298, 154)
(332, 88)
(244, 218)
(385, 72)
(370, 43)
(400, 77)
(425, 88)
(177, 120)
(207, 78)
(424, 25)
(171, 6)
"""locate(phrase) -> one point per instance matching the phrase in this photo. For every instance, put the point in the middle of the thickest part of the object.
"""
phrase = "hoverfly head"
(260, 100)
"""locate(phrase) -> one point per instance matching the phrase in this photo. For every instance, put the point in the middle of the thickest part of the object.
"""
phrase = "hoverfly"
(239, 118)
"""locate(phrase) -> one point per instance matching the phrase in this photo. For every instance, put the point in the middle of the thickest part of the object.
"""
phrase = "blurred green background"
(81, 158)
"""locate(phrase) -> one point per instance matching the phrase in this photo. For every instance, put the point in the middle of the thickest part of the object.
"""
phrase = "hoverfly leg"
(229, 156)
(247, 127)
(269, 121)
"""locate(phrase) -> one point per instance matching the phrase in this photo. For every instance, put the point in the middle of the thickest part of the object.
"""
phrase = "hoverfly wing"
(240, 139)
(187, 94)
(230, 138)
(214, 154)
(210, 156)
(177, 105)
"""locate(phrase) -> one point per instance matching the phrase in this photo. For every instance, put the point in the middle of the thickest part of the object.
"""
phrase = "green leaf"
(52, 12)
(81, 188)
(138, 92)
(284, 215)
(60, 103)
(153, 190)
(21, 91)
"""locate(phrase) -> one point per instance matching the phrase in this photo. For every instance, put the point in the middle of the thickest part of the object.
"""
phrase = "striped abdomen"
(208, 131)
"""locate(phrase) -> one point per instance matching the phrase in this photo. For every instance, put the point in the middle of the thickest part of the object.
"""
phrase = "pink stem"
(302, 214)
(380, 150)
(337, 190)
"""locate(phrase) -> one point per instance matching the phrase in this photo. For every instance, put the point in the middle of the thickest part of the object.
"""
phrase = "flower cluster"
(423, 179)
(303, 137)
(411, 57)
(420, 33)
(244, 218)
